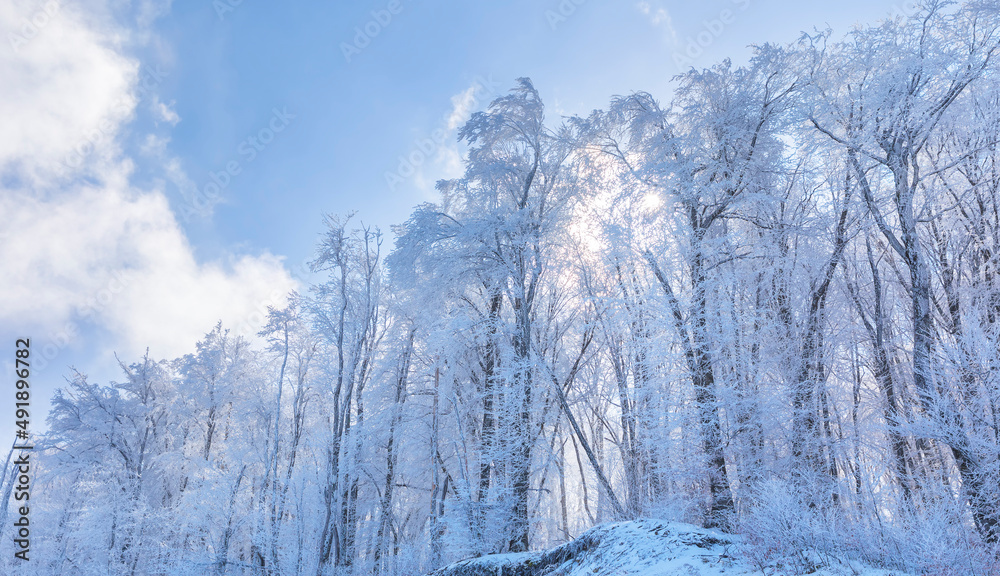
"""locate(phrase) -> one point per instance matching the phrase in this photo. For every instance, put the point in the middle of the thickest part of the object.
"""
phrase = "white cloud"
(165, 112)
(462, 105)
(80, 244)
(446, 161)
(150, 10)
(64, 89)
(659, 17)
(119, 259)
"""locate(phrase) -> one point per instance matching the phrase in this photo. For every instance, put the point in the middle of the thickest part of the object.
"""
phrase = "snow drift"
(650, 548)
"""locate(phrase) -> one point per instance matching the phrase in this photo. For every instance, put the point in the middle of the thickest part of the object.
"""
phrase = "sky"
(167, 165)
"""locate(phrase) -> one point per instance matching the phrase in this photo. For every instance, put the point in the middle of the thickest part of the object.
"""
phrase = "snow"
(653, 548)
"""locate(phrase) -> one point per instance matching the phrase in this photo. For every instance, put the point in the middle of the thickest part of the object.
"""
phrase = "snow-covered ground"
(652, 548)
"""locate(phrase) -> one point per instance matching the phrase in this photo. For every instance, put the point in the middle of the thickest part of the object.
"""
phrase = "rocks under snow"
(643, 548)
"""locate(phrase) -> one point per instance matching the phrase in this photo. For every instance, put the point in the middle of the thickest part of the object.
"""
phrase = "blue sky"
(354, 119)
(168, 165)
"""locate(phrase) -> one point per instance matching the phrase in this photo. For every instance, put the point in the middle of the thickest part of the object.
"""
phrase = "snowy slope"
(649, 548)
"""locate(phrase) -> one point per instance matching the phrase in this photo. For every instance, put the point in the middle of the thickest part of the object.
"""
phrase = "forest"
(769, 305)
